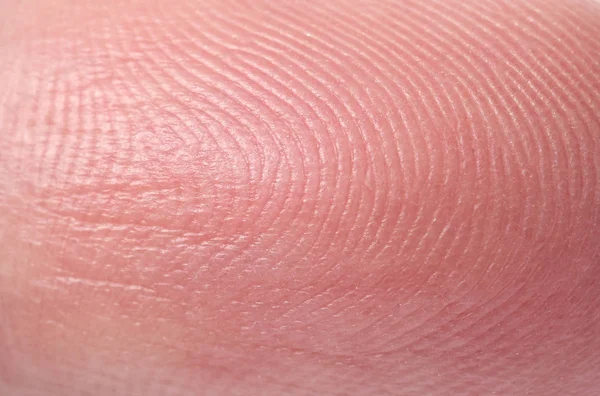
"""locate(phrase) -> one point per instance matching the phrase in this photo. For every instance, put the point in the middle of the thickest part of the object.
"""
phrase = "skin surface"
(344, 197)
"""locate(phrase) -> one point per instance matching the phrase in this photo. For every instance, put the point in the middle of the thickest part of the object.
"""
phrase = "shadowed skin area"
(345, 197)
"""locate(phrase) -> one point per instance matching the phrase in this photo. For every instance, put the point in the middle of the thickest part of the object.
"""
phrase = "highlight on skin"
(345, 197)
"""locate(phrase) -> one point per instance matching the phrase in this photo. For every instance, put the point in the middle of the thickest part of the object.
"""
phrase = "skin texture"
(345, 197)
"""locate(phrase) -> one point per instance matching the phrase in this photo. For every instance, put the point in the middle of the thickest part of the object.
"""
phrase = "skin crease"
(351, 197)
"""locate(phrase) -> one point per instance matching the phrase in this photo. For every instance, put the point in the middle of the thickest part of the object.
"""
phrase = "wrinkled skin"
(344, 197)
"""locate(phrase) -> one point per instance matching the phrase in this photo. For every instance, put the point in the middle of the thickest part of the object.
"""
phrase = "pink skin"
(344, 197)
